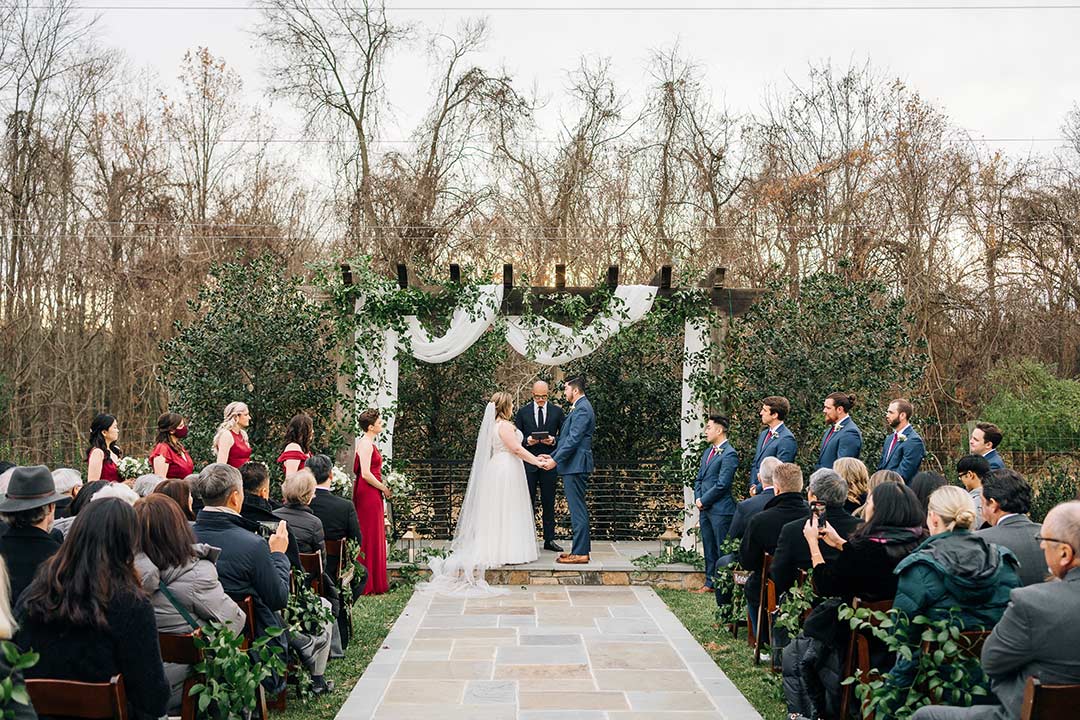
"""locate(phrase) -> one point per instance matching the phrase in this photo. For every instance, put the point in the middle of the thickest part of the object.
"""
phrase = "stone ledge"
(665, 577)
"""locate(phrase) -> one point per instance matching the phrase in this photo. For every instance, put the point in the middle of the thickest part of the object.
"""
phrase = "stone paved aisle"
(540, 653)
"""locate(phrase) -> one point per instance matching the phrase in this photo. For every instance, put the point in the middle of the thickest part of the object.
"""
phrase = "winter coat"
(811, 678)
(305, 526)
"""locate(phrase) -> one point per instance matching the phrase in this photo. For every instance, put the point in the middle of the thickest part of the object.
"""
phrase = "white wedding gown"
(496, 525)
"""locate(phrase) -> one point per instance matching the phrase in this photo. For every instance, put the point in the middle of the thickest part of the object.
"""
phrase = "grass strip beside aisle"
(373, 616)
(698, 614)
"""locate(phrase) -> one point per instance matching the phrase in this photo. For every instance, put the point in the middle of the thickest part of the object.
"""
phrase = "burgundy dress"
(109, 471)
(293, 455)
(240, 452)
(180, 464)
(369, 510)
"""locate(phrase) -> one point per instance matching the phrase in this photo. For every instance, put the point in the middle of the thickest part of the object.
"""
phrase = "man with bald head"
(539, 422)
(1038, 634)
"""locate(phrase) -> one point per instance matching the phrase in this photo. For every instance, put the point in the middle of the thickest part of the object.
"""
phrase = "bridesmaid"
(231, 441)
(299, 435)
(103, 453)
(169, 458)
(368, 493)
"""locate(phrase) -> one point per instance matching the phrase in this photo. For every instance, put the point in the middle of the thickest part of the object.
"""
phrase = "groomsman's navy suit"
(994, 458)
(835, 444)
(716, 472)
(574, 459)
(905, 456)
(783, 447)
(526, 421)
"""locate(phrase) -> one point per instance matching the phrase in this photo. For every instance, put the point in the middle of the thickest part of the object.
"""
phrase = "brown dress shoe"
(573, 560)
(702, 590)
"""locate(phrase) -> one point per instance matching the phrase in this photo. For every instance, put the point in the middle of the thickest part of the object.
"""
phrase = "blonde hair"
(232, 410)
(7, 620)
(856, 475)
(504, 405)
(299, 487)
(954, 506)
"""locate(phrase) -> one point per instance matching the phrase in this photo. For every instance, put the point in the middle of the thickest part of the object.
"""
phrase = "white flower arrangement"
(400, 484)
(130, 467)
(341, 482)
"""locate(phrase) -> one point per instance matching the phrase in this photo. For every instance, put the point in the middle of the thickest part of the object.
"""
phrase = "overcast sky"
(1002, 74)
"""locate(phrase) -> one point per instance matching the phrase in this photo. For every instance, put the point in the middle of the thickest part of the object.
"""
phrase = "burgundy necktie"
(891, 446)
(711, 454)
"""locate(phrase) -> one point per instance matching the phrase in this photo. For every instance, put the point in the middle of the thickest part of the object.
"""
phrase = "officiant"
(539, 423)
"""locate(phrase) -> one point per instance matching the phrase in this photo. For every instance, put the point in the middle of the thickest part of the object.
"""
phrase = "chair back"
(334, 551)
(93, 701)
(766, 604)
(247, 604)
(313, 568)
(181, 649)
(1049, 702)
(858, 652)
(971, 643)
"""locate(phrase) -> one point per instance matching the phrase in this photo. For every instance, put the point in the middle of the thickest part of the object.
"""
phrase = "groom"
(573, 456)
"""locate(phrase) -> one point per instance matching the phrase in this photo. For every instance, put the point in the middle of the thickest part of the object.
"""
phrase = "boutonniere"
(572, 407)
(773, 433)
(901, 437)
(837, 426)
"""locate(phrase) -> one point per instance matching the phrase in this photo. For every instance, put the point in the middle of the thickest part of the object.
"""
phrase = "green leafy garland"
(11, 691)
(679, 555)
(798, 599)
(734, 610)
(231, 675)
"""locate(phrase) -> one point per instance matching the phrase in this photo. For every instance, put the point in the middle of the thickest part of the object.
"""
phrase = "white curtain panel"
(637, 300)
(695, 339)
(466, 327)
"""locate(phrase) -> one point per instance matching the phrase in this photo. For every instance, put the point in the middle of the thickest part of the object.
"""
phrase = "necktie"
(711, 454)
(829, 436)
(543, 422)
(891, 446)
(768, 437)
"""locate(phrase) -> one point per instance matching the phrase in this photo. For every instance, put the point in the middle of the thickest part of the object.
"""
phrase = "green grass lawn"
(760, 686)
(373, 616)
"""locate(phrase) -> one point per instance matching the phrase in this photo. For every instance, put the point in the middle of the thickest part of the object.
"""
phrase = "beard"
(894, 423)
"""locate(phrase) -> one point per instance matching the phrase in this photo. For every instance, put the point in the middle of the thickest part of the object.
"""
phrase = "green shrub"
(1035, 409)
(1061, 485)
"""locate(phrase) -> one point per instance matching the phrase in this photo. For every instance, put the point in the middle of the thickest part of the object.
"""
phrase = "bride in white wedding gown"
(496, 525)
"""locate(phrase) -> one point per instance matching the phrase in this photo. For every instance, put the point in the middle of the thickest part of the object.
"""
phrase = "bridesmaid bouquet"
(341, 482)
(130, 467)
(400, 485)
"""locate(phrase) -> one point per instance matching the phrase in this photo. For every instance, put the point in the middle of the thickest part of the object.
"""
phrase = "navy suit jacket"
(783, 447)
(573, 454)
(906, 456)
(747, 509)
(994, 458)
(846, 442)
(713, 484)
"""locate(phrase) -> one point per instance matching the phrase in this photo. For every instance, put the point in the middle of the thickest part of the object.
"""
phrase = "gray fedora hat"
(30, 487)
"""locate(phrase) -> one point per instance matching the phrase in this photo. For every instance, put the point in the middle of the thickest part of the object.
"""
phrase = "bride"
(496, 525)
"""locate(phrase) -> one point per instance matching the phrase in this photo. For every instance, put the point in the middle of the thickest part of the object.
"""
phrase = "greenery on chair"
(230, 674)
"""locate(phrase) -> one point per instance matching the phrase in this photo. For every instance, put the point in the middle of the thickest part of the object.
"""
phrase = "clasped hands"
(545, 462)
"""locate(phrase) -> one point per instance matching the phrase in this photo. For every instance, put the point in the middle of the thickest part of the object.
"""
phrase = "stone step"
(679, 577)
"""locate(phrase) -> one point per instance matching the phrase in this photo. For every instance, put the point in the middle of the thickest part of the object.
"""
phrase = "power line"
(952, 7)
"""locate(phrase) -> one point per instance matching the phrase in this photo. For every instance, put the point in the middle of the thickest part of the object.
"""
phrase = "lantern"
(668, 542)
(411, 540)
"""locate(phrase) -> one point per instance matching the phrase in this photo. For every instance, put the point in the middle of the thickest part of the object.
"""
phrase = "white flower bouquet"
(341, 482)
(400, 485)
(130, 467)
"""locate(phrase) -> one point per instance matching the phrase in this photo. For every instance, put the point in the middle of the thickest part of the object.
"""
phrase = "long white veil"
(462, 573)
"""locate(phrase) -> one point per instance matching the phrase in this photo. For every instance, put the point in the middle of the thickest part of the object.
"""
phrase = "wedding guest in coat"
(842, 438)
(751, 506)
(27, 511)
(903, 449)
(775, 440)
(712, 492)
(1006, 503)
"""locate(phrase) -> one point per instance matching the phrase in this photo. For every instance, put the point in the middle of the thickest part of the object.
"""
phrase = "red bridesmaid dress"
(180, 464)
(293, 455)
(240, 452)
(369, 510)
(109, 471)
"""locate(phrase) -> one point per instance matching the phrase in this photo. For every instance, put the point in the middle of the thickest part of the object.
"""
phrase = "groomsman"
(775, 440)
(712, 492)
(537, 417)
(903, 450)
(984, 441)
(843, 437)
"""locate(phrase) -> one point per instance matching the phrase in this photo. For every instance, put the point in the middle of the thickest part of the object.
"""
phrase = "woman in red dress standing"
(299, 435)
(368, 494)
(231, 441)
(103, 453)
(169, 458)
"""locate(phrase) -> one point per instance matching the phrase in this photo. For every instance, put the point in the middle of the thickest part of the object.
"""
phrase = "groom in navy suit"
(843, 437)
(775, 440)
(574, 458)
(712, 492)
(903, 450)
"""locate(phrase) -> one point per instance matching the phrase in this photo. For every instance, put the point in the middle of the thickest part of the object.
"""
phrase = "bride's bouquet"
(130, 467)
(341, 482)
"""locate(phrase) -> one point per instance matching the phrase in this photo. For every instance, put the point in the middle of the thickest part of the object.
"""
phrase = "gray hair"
(117, 490)
(145, 484)
(828, 487)
(767, 468)
(66, 479)
(216, 482)
(1064, 522)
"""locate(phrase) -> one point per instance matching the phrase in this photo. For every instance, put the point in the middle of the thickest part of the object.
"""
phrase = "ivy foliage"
(1037, 408)
(12, 688)
(803, 341)
(255, 336)
(230, 674)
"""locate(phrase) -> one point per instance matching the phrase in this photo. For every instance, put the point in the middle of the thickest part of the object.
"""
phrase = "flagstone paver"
(543, 653)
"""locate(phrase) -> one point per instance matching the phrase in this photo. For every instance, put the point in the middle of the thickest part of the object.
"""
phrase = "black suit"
(24, 549)
(526, 422)
(793, 554)
(338, 517)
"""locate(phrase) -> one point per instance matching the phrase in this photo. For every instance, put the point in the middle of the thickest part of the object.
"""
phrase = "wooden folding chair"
(262, 707)
(181, 649)
(858, 654)
(93, 701)
(766, 605)
(334, 559)
(313, 568)
(1049, 702)
(739, 578)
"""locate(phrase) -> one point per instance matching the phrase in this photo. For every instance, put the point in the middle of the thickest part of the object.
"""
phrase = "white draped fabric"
(695, 340)
(555, 344)
(466, 327)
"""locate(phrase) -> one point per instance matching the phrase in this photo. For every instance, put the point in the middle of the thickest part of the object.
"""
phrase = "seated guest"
(17, 710)
(87, 617)
(763, 532)
(68, 482)
(168, 555)
(117, 490)
(984, 441)
(925, 483)
(86, 494)
(145, 484)
(1038, 634)
(1006, 502)
(972, 469)
(857, 477)
(180, 492)
(337, 514)
(954, 569)
(259, 507)
(827, 494)
(28, 512)
(878, 478)
(751, 506)
(297, 491)
(248, 563)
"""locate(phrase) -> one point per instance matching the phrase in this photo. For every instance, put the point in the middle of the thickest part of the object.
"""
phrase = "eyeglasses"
(539, 397)
(1042, 539)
